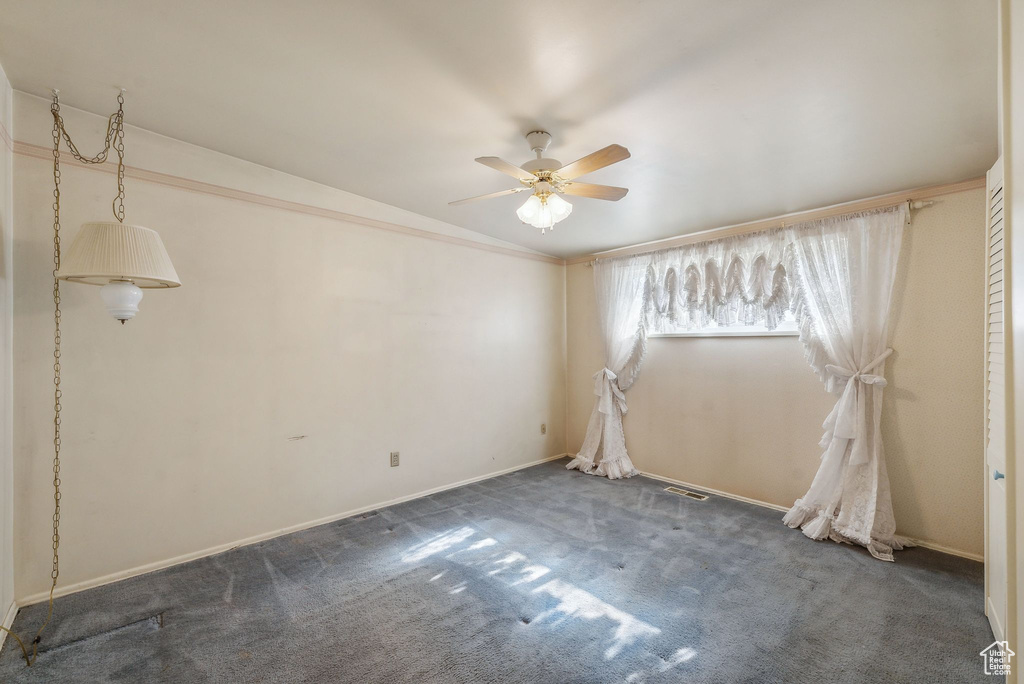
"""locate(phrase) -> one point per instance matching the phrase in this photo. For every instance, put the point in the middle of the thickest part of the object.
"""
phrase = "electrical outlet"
(394, 459)
(543, 428)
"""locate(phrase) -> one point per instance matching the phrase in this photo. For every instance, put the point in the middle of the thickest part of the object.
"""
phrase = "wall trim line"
(187, 184)
(39, 597)
(866, 204)
(782, 509)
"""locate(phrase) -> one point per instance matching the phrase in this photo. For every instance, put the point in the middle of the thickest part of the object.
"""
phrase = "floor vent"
(683, 492)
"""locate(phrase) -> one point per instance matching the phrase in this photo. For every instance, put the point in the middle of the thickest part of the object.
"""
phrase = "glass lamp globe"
(544, 212)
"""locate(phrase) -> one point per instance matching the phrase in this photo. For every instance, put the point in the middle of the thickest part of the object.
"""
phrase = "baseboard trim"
(12, 612)
(925, 544)
(196, 555)
(757, 502)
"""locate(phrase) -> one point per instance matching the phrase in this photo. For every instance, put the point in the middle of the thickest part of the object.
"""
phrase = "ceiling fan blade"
(592, 162)
(511, 169)
(604, 192)
(487, 196)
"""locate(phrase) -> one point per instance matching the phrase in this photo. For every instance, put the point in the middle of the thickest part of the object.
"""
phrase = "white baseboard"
(925, 544)
(12, 612)
(184, 558)
(775, 507)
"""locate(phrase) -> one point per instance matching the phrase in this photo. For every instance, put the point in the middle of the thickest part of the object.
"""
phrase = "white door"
(997, 438)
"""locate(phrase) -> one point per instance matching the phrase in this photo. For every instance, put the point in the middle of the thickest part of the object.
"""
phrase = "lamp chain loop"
(115, 135)
(114, 139)
(119, 146)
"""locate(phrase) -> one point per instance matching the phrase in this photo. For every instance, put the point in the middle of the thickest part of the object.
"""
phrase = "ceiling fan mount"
(541, 167)
(548, 179)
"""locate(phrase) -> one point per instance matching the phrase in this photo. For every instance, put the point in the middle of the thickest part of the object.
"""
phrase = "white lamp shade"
(530, 211)
(544, 213)
(102, 252)
(560, 209)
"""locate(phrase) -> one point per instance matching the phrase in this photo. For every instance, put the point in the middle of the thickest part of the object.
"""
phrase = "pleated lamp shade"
(106, 251)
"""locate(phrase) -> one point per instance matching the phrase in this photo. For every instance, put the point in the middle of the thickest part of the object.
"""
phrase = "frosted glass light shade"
(121, 299)
(544, 213)
(530, 209)
(559, 208)
(106, 251)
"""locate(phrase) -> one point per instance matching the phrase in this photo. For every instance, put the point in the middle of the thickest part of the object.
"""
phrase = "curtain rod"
(916, 198)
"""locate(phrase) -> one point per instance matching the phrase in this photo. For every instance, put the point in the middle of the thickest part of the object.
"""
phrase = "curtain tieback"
(606, 387)
(848, 419)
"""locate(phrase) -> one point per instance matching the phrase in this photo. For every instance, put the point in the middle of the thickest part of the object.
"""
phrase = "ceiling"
(733, 110)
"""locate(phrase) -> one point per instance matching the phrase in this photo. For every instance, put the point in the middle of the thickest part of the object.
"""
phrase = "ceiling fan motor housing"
(543, 164)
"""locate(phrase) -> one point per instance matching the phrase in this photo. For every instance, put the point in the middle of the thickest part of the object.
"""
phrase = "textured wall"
(743, 415)
(932, 416)
(268, 390)
(6, 349)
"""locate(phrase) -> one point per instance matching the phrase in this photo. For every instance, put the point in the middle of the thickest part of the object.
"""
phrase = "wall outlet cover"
(394, 459)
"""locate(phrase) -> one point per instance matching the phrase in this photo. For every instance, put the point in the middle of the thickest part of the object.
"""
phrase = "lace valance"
(740, 280)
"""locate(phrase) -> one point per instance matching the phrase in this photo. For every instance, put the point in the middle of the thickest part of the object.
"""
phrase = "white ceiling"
(733, 110)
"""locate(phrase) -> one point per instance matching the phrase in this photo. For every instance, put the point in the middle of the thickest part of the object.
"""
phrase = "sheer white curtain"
(843, 272)
(621, 287)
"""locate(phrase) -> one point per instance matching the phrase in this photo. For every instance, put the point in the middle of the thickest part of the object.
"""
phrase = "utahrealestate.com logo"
(997, 658)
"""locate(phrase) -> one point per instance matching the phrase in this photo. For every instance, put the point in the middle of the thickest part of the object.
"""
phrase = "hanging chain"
(115, 138)
(119, 146)
(55, 572)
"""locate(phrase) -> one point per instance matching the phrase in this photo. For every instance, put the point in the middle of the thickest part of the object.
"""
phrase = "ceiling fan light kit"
(548, 180)
(544, 211)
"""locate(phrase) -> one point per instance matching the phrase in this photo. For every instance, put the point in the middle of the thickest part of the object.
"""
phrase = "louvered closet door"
(996, 410)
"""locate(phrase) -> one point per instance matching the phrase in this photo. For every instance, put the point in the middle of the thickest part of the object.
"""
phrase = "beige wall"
(6, 350)
(743, 415)
(180, 428)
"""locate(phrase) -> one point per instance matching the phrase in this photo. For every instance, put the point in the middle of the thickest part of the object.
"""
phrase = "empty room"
(465, 341)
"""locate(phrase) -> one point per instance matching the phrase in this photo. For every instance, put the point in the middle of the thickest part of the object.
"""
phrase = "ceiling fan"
(548, 179)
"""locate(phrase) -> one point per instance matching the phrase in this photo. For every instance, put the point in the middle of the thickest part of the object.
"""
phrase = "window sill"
(730, 333)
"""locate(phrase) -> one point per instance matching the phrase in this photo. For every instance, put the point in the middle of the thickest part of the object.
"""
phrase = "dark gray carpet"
(542, 575)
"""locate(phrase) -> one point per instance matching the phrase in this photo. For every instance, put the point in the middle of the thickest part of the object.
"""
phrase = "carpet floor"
(541, 575)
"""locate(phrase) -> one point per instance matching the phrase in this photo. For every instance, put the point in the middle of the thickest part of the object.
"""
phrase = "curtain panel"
(621, 288)
(844, 271)
(836, 275)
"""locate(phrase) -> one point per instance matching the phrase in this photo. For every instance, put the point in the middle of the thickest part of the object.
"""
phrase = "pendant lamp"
(123, 259)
